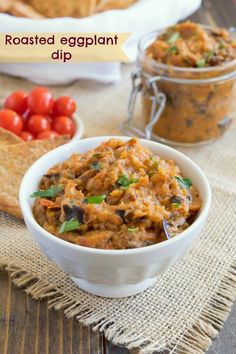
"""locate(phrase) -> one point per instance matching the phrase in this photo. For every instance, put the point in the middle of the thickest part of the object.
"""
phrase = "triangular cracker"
(14, 162)
(8, 138)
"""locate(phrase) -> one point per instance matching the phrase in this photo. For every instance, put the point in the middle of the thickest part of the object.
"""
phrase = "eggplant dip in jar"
(187, 77)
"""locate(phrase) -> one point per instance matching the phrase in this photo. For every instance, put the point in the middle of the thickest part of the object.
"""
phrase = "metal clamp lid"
(158, 103)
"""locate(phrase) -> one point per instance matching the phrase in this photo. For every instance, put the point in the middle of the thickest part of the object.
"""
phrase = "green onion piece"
(184, 182)
(156, 164)
(201, 63)
(69, 225)
(210, 54)
(221, 45)
(173, 38)
(175, 205)
(173, 49)
(125, 181)
(153, 158)
(95, 199)
(96, 166)
(133, 229)
(97, 156)
(151, 173)
(51, 192)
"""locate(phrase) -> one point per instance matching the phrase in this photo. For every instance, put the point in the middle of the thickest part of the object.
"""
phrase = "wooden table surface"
(28, 327)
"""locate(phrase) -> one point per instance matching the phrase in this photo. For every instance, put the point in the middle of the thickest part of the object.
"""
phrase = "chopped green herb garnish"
(51, 192)
(133, 229)
(153, 158)
(69, 225)
(95, 199)
(210, 54)
(173, 38)
(175, 205)
(125, 181)
(156, 164)
(173, 49)
(151, 173)
(201, 63)
(184, 182)
(96, 166)
(221, 45)
(97, 156)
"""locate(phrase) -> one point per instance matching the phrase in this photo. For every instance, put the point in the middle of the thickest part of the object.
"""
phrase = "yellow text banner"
(62, 47)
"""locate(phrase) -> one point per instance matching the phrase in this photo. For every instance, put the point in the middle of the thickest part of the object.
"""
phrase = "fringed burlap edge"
(194, 341)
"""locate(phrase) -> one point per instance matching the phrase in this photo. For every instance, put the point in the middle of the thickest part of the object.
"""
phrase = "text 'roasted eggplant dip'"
(117, 196)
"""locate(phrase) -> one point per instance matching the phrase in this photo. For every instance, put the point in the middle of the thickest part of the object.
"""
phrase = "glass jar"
(182, 106)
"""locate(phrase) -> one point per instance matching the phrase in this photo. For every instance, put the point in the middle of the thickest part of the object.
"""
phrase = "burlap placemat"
(187, 306)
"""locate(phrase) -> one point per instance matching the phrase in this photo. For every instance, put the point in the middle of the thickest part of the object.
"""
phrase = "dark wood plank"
(219, 13)
(55, 332)
(42, 335)
(16, 336)
(113, 349)
(67, 337)
(5, 303)
(28, 327)
(31, 323)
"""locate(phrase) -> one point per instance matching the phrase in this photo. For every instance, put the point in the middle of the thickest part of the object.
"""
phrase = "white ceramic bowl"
(79, 127)
(113, 273)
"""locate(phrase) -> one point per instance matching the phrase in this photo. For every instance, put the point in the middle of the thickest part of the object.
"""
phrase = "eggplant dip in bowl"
(117, 196)
(103, 209)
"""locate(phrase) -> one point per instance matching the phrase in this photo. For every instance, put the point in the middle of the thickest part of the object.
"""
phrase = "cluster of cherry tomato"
(37, 115)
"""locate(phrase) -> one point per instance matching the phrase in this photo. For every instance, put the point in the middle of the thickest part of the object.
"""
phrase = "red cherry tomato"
(10, 120)
(64, 106)
(27, 114)
(25, 117)
(38, 124)
(40, 101)
(64, 125)
(27, 136)
(50, 119)
(48, 134)
(17, 102)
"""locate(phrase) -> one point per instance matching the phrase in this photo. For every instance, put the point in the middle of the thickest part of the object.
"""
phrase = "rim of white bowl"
(79, 127)
(28, 214)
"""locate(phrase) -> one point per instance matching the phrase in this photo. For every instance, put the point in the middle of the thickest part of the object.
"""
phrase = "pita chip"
(14, 162)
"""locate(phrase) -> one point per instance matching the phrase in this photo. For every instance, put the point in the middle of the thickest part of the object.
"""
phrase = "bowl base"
(113, 291)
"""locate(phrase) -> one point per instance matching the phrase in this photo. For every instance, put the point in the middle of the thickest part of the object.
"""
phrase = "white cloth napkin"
(139, 19)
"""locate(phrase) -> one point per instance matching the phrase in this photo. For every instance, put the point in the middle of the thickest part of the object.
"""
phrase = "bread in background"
(56, 8)
(60, 8)
(19, 8)
(104, 5)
